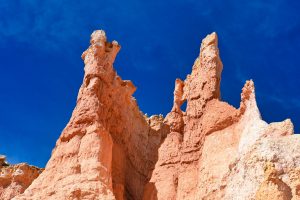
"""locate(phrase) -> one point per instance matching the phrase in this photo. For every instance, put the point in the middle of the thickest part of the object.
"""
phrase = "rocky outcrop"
(208, 159)
(109, 148)
(14, 179)
(210, 150)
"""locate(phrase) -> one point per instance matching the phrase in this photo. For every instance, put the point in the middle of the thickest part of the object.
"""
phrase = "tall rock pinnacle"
(204, 114)
(203, 84)
(99, 153)
(109, 150)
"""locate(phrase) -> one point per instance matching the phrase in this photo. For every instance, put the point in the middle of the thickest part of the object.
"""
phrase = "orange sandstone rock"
(14, 179)
(109, 148)
(206, 160)
(273, 187)
(211, 150)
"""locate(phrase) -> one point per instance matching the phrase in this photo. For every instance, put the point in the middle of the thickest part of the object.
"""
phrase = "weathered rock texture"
(14, 179)
(211, 150)
(109, 148)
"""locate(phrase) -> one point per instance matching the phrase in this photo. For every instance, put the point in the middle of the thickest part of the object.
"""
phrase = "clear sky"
(41, 70)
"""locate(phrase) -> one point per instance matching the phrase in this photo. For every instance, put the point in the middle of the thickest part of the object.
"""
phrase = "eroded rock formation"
(109, 148)
(14, 179)
(211, 150)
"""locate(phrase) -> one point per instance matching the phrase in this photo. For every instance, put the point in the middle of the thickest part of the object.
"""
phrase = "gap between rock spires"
(110, 150)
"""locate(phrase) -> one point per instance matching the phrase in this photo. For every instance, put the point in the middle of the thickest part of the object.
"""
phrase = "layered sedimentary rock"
(211, 150)
(14, 179)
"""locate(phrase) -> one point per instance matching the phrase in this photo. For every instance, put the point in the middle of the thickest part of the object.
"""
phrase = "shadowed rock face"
(211, 150)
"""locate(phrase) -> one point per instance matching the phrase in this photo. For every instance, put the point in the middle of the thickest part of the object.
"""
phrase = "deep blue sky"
(41, 70)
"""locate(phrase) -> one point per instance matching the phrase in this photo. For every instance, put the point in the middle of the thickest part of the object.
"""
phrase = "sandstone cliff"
(211, 150)
(14, 179)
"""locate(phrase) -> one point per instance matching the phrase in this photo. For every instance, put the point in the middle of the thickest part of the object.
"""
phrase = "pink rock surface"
(14, 179)
(211, 150)
(108, 148)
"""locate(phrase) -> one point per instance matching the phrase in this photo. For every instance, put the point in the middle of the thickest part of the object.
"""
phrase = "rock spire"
(109, 150)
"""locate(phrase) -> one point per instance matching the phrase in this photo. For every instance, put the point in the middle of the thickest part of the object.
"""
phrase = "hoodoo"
(110, 150)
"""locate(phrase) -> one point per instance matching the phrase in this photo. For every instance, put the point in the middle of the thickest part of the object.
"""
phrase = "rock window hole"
(183, 106)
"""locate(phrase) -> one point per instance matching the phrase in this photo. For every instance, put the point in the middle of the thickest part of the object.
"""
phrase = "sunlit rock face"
(108, 148)
(14, 179)
(211, 150)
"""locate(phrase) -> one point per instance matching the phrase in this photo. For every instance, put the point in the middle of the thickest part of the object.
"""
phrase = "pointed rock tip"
(247, 90)
(98, 36)
(99, 40)
(248, 94)
(249, 87)
(210, 39)
(250, 83)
